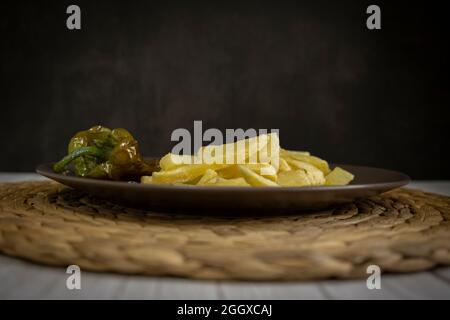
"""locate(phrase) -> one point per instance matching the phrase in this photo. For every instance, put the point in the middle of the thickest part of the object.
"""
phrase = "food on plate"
(103, 153)
(338, 177)
(256, 162)
(259, 161)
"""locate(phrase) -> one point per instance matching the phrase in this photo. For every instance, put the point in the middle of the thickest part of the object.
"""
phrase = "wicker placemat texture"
(401, 231)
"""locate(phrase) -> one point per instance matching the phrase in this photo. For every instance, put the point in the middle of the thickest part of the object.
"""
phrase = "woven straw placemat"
(400, 231)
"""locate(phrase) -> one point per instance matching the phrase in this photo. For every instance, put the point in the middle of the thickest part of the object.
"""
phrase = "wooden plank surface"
(421, 285)
(267, 291)
(443, 273)
(357, 290)
(23, 280)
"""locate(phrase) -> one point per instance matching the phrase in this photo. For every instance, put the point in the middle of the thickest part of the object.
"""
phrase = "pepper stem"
(92, 151)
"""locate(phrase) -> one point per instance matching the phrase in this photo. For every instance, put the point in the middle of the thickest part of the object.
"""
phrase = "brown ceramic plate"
(368, 182)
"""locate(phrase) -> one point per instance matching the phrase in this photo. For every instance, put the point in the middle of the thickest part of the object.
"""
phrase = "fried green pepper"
(105, 154)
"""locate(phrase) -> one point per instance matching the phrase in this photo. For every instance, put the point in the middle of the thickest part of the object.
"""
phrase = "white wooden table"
(24, 280)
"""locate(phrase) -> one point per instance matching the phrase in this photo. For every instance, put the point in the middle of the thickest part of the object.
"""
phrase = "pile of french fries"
(253, 162)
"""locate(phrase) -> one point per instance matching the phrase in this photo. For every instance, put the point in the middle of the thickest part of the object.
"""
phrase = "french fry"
(233, 171)
(320, 164)
(239, 152)
(183, 174)
(338, 177)
(284, 166)
(257, 161)
(255, 179)
(207, 176)
(171, 161)
(236, 182)
(294, 178)
(316, 176)
(230, 172)
(264, 169)
(270, 154)
(287, 153)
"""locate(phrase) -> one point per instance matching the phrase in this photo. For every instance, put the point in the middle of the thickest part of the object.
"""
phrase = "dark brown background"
(311, 69)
